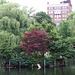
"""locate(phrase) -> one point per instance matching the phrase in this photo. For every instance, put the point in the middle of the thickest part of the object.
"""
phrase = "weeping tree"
(12, 19)
(13, 23)
(8, 42)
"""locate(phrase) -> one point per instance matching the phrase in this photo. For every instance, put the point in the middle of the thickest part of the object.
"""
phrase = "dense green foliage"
(67, 32)
(71, 21)
(64, 30)
(14, 22)
(12, 19)
(48, 27)
(61, 48)
(2, 1)
(42, 16)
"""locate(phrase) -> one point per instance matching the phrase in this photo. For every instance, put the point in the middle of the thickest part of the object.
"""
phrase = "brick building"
(59, 12)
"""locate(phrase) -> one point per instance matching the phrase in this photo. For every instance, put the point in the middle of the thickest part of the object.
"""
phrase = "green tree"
(8, 42)
(12, 19)
(61, 48)
(42, 16)
(48, 27)
(71, 21)
(2, 1)
(13, 23)
(64, 30)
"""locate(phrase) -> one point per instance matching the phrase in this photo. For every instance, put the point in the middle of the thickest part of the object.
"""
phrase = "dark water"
(68, 70)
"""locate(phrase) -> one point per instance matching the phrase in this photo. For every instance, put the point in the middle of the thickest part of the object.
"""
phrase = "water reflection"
(68, 70)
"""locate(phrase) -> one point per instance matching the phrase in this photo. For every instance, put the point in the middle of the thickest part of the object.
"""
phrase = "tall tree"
(42, 16)
(13, 24)
(12, 19)
(71, 21)
(8, 41)
(64, 30)
(61, 48)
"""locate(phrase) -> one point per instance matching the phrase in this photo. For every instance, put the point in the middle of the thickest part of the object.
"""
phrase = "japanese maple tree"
(35, 41)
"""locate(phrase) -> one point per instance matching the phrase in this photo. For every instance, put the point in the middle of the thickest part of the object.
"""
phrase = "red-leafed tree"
(35, 42)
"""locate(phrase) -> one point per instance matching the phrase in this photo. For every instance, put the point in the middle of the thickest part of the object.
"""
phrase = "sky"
(39, 5)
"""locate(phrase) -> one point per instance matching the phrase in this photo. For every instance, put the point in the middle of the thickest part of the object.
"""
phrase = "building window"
(63, 11)
(55, 19)
(55, 8)
(59, 7)
(65, 19)
(63, 7)
(47, 8)
(59, 15)
(50, 8)
(57, 12)
(57, 23)
(51, 12)
(55, 16)
(51, 16)
(63, 16)
(59, 19)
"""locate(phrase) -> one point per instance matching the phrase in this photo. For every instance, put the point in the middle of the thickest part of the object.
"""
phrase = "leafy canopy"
(42, 16)
(35, 41)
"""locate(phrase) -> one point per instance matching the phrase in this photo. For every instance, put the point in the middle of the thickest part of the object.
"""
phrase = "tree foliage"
(49, 28)
(13, 23)
(71, 21)
(2, 1)
(61, 48)
(67, 28)
(35, 41)
(64, 30)
(42, 16)
(8, 42)
(13, 19)
(67, 31)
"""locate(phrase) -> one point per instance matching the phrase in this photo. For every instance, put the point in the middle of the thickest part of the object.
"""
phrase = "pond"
(68, 70)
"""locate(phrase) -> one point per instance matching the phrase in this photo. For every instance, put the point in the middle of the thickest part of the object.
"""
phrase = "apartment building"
(59, 12)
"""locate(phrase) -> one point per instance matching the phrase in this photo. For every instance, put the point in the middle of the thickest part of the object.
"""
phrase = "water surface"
(68, 70)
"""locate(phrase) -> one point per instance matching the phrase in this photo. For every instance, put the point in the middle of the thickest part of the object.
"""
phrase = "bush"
(24, 62)
(48, 62)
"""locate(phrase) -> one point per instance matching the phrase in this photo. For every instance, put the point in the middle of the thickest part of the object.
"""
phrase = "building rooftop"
(52, 5)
